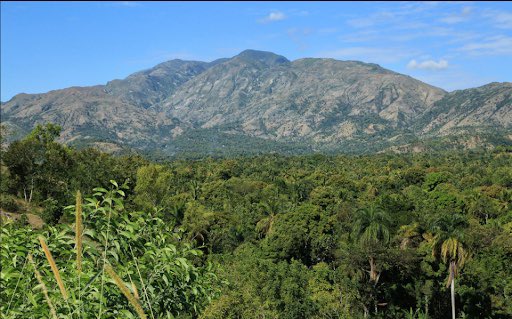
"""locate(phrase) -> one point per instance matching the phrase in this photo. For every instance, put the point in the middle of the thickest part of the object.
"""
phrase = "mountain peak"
(262, 56)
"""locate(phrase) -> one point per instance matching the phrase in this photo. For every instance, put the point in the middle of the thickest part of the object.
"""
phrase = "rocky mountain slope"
(263, 100)
(485, 107)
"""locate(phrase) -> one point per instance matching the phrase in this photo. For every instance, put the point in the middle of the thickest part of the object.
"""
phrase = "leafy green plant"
(113, 254)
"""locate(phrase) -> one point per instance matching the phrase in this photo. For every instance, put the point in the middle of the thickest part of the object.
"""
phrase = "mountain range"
(260, 102)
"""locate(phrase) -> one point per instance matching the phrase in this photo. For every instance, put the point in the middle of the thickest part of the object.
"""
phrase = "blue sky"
(452, 45)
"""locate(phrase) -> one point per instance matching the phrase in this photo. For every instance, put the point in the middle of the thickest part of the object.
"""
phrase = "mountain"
(259, 101)
(116, 112)
(485, 107)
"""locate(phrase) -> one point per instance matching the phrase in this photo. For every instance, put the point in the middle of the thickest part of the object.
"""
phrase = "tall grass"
(54, 268)
(126, 292)
(43, 286)
(78, 231)
(78, 245)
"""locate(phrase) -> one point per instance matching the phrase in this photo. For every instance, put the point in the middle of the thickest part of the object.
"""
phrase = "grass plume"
(126, 292)
(142, 284)
(43, 287)
(135, 292)
(55, 270)
(78, 231)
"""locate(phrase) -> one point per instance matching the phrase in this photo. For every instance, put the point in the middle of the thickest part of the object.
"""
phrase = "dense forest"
(271, 236)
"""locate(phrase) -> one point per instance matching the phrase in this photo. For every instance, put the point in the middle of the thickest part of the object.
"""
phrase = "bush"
(51, 211)
(9, 204)
(127, 262)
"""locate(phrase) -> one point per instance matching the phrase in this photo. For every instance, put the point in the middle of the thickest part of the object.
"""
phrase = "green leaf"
(100, 189)
(182, 261)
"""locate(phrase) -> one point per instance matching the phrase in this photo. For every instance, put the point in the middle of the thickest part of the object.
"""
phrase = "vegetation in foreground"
(382, 236)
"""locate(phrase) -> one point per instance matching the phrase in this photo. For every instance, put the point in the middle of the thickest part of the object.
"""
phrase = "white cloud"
(327, 30)
(496, 45)
(298, 13)
(466, 10)
(428, 65)
(372, 20)
(454, 79)
(273, 16)
(299, 36)
(370, 54)
(463, 16)
(129, 4)
(501, 19)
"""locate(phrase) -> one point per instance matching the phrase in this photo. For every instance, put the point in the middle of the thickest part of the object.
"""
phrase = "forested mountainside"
(312, 236)
(259, 102)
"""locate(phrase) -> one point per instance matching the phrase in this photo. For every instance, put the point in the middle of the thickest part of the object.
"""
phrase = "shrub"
(112, 264)
(9, 204)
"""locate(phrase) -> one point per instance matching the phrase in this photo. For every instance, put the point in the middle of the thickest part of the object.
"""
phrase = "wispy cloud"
(128, 4)
(327, 30)
(454, 79)
(453, 29)
(273, 16)
(463, 16)
(298, 13)
(371, 20)
(495, 45)
(428, 65)
(370, 54)
(501, 19)
(396, 15)
(299, 36)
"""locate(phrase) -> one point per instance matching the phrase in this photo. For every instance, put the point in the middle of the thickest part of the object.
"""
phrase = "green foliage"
(51, 211)
(37, 168)
(44, 134)
(371, 227)
(154, 185)
(9, 203)
(170, 276)
(278, 237)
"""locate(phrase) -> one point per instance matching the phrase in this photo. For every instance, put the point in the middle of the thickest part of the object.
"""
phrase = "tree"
(371, 232)
(4, 132)
(197, 221)
(482, 207)
(452, 251)
(409, 234)
(270, 207)
(45, 134)
(447, 244)
(37, 162)
(371, 229)
(264, 226)
(20, 160)
(154, 186)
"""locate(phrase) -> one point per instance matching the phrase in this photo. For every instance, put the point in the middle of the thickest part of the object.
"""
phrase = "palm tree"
(269, 208)
(447, 244)
(409, 234)
(197, 221)
(371, 229)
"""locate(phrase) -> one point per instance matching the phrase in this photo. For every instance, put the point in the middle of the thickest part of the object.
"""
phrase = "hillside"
(260, 98)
